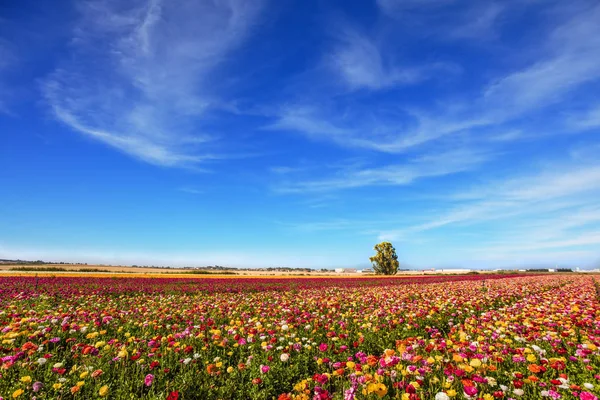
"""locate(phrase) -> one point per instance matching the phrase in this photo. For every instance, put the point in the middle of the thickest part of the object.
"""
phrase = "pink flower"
(470, 390)
(264, 369)
(323, 347)
(587, 396)
(148, 379)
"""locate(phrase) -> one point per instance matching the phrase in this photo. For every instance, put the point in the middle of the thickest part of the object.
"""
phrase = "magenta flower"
(264, 369)
(587, 396)
(148, 380)
(470, 391)
(323, 347)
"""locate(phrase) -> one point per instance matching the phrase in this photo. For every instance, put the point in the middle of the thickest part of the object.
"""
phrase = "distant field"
(103, 269)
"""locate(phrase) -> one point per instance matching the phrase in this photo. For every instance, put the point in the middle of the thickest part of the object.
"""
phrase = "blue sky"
(301, 133)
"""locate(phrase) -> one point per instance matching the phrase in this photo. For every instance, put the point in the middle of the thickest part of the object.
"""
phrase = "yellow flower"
(123, 353)
(17, 393)
(80, 383)
(83, 375)
(350, 365)
(230, 369)
(378, 388)
(26, 379)
(300, 386)
(531, 358)
(103, 391)
(451, 393)
(475, 363)
(57, 386)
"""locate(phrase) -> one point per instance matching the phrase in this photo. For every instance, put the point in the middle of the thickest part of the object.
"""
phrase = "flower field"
(449, 337)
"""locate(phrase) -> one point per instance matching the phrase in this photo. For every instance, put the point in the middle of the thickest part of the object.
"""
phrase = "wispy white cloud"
(418, 167)
(572, 51)
(446, 19)
(567, 60)
(479, 22)
(566, 193)
(361, 62)
(370, 132)
(590, 119)
(139, 76)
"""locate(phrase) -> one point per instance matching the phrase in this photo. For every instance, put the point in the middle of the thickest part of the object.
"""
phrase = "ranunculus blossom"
(148, 380)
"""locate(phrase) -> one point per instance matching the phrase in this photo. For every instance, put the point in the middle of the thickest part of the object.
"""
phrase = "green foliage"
(385, 262)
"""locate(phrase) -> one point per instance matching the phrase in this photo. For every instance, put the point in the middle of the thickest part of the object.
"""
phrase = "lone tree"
(385, 262)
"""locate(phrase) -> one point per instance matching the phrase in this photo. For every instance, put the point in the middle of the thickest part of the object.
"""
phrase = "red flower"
(174, 395)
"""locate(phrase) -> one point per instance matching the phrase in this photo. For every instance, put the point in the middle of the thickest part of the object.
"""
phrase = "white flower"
(491, 381)
(196, 355)
(57, 365)
(307, 327)
(284, 357)
(41, 361)
(62, 380)
(442, 396)
(285, 327)
(518, 392)
(187, 361)
(588, 386)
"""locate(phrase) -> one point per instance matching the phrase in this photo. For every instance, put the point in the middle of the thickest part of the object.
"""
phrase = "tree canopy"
(385, 262)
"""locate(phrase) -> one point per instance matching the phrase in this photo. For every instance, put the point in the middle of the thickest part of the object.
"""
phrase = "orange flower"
(468, 382)
(534, 368)
(372, 360)
(211, 368)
